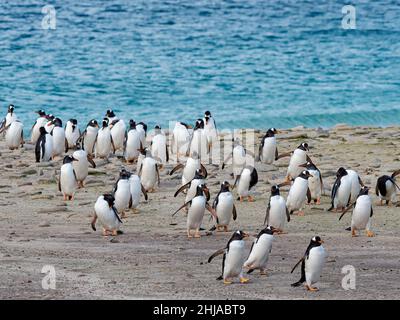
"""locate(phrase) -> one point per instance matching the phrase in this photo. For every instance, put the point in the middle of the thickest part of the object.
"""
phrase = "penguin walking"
(89, 136)
(159, 148)
(298, 157)
(268, 151)
(298, 193)
(44, 146)
(277, 211)
(122, 193)
(72, 133)
(197, 207)
(260, 250)
(81, 165)
(191, 186)
(133, 143)
(386, 188)
(362, 213)
(59, 140)
(40, 122)
(9, 118)
(192, 164)
(210, 130)
(239, 158)
(247, 180)
(142, 128)
(311, 264)
(105, 211)
(180, 140)
(315, 183)
(67, 181)
(224, 207)
(149, 173)
(136, 188)
(198, 141)
(356, 184)
(14, 134)
(233, 258)
(118, 133)
(104, 141)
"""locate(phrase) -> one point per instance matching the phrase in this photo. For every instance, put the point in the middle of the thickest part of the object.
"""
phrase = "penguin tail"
(331, 208)
(348, 229)
(220, 278)
(297, 284)
(212, 228)
(250, 271)
(120, 232)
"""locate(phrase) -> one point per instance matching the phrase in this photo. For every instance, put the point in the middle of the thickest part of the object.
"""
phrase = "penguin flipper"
(360, 181)
(297, 264)
(372, 212)
(167, 154)
(276, 153)
(236, 180)
(266, 219)
(93, 223)
(66, 145)
(185, 186)
(216, 254)
(234, 213)
(345, 210)
(287, 214)
(112, 143)
(203, 170)
(394, 174)
(59, 183)
(144, 192)
(394, 182)
(116, 214)
(250, 271)
(308, 195)
(283, 155)
(212, 211)
(303, 274)
(158, 175)
(90, 160)
(177, 167)
(253, 178)
(184, 205)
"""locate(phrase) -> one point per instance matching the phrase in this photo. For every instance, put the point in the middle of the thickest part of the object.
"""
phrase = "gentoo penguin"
(72, 133)
(49, 124)
(122, 192)
(260, 250)
(133, 143)
(81, 165)
(277, 212)
(136, 189)
(142, 155)
(44, 146)
(247, 179)
(233, 258)
(105, 211)
(59, 140)
(298, 193)
(356, 184)
(10, 117)
(311, 264)
(268, 151)
(298, 157)
(104, 141)
(189, 168)
(159, 148)
(362, 213)
(315, 183)
(191, 186)
(118, 133)
(198, 141)
(238, 156)
(14, 134)
(386, 187)
(89, 135)
(224, 207)
(67, 181)
(142, 128)
(149, 173)
(180, 140)
(110, 115)
(197, 207)
(210, 129)
(40, 122)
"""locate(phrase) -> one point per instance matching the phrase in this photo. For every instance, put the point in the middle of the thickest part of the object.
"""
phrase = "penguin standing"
(224, 207)
(311, 264)
(189, 168)
(136, 188)
(59, 140)
(81, 165)
(104, 141)
(14, 134)
(105, 211)
(356, 184)
(133, 143)
(386, 188)
(238, 156)
(40, 122)
(142, 128)
(110, 115)
(362, 213)
(260, 250)
(210, 130)
(44, 146)
(10, 117)
(233, 258)
(298, 193)
(159, 148)
(149, 173)
(67, 181)
(298, 157)
(122, 192)
(198, 142)
(268, 151)
(197, 207)
(315, 183)
(118, 133)
(191, 186)
(247, 179)
(180, 139)
(72, 133)
(277, 212)
(341, 190)
(89, 135)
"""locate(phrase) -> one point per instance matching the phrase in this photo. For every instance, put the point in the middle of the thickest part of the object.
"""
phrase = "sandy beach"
(153, 259)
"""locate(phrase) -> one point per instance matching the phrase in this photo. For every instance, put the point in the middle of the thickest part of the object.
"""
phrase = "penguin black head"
(49, 117)
(57, 122)
(93, 123)
(198, 174)
(268, 230)
(105, 122)
(199, 124)
(207, 116)
(364, 191)
(225, 186)
(304, 146)
(239, 235)
(305, 174)
(157, 129)
(185, 125)
(143, 125)
(41, 113)
(341, 172)
(275, 190)
(316, 241)
(132, 124)
(69, 159)
(202, 190)
(124, 174)
(74, 123)
(42, 131)
(110, 113)
(11, 108)
(308, 165)
(271, 132)
(109, 198)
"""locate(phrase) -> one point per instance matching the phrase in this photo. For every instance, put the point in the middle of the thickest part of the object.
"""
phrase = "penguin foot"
(225, 228)
(197, 235)
(189, 235)
(309, 288)
(300, 213)
(114, 233)
(353, 233)
(370, 234)
(250, 199)
(263, 272)
(226, 281)
(244, 280)
(241, 199)
(318, 201)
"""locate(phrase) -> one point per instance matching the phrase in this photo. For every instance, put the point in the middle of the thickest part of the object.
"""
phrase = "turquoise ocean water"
(252, 63)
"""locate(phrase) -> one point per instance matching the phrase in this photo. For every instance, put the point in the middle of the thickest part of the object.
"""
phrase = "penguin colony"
(101, 140)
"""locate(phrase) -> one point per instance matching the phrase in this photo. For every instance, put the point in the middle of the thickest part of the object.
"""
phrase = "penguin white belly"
(48, 148)
(196, 213)
(181, 139)
(277, 212)
(268, 151)
(89, 139)
(199, 143)
(361, 212)
(343, 193)
(40, 122)
(224, 208)
(299, 157)
(103, 144)
(159, 148)
(259, 255)
(238, 160)
(390, 192)
(139, 162)
(13, 135)
(67, 179)
(10, 118)
(314, 183)
(58, 141)
(190, 170)
(142, 134)
(314, 264)
(81, 166)
(132, 145)
(355, 185)
(118, 134)
(149, 173)
(71, 135)
(209, 131)
(106, 215)
(297, 194)
(244, 183)
(122, 195)
(234, 259)
(191, 193)
(136, 189)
